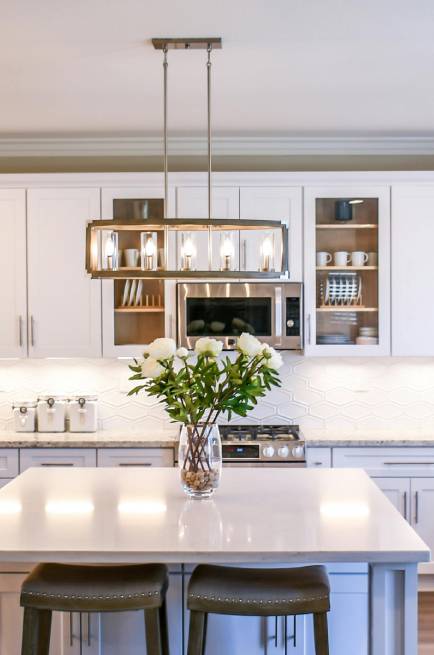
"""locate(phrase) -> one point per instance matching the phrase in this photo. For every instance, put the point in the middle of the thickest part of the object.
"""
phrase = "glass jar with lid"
(83, 413)
(51, 412)
(24, 415)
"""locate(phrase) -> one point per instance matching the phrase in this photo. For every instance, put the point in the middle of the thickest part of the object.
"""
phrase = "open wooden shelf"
(347, 268)
(139, 310)
(361, 226)
(346, 308)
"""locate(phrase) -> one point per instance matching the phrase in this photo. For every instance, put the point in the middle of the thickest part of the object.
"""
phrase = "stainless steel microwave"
(272, 311)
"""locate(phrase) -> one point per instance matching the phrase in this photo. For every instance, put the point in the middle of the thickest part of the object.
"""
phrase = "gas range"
(262, 444)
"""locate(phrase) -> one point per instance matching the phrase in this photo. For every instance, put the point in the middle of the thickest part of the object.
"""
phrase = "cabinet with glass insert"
(347, 278)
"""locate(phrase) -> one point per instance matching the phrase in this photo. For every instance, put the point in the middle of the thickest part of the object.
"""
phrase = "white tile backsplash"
(341, 393)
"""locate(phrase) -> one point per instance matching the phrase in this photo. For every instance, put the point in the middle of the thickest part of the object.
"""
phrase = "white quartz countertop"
(101, 439)
(257, 515)
(318, 437)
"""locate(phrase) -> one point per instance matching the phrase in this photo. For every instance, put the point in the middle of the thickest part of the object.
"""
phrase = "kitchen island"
(258, 517)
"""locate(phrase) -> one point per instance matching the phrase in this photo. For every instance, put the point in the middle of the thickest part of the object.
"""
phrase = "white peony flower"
(162, 348)
(151, 368)
(207, 346)
(182, 353)
(272, 358)
(249, 345)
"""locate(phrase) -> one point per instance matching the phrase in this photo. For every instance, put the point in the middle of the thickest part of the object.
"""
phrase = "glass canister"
(51, 412)
(83, 413)
(200, 459)
(24, 415)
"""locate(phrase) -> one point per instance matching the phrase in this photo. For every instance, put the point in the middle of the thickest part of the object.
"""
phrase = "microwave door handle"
(278, 314)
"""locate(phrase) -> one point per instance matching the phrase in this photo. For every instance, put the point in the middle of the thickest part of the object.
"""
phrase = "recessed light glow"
(146, 507)
(344, 510)
(69, 507)
(10, 507)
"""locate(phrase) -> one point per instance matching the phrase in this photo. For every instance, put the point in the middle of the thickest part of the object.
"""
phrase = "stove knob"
(283, 451)
(268, 451)
(298, 451)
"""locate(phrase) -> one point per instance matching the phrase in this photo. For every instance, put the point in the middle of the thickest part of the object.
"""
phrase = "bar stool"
(71, 588)
(257, 592)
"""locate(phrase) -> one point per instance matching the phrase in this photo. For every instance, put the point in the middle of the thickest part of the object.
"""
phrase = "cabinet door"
(64, 303)
(56, 457)
(13, 324)
(422, 491)
(273, 203)
(125, 333)
(135, 457)
(192, 202)
(412, 278)
(398, 492)
(347, 271)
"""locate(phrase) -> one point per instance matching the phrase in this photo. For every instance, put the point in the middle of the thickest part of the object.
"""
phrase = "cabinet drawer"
(135, 457)
(57, 457)
(8, 462)
(319, 457)
(385, 462)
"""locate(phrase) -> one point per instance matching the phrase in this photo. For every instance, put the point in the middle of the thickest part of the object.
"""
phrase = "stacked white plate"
(333, 340)
(368, 336)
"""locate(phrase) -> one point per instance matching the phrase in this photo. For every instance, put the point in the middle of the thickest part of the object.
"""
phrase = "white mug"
(372, 258)
(342, 258)
(323, 258)
(359, 258)
(131, 256)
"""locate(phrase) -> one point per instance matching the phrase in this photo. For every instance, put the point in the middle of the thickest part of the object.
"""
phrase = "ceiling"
(287, 67)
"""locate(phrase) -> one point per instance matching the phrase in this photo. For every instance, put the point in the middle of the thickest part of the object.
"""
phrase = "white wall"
(325, 393)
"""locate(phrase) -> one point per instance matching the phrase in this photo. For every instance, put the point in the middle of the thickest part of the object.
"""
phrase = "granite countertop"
(100, 439)
(354, 438)
(116, 515)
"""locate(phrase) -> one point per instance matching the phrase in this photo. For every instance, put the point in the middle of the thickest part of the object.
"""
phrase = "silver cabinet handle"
(135, 464)
(416, 507)
(309, 332)
(405, 506)
(408, 463)
(32, 331)
(278, 313)
(56, 464)
(20, 330)
(244, 255)
(89, 638)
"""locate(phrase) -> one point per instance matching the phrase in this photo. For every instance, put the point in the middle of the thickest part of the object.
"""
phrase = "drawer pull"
(416, 512)
(408, 463)
(135, 464)
(56, 464)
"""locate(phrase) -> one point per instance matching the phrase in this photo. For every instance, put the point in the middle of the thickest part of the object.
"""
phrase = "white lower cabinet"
(56, 457)
(135, 457)
(398, 492)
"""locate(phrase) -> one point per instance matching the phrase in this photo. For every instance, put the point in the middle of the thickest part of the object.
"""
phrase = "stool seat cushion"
(65, 587)
(259, 592)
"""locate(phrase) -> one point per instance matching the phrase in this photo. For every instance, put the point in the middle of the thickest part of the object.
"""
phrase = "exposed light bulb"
(188, 251)
(110, 250)
(227, 252)
(109, 247)
(267, 254)
(150, 247)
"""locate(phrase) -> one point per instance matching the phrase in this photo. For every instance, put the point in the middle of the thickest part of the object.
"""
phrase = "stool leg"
(164, 629)
(196, 633)
(321, 634)
(36, 632)
(153, 632)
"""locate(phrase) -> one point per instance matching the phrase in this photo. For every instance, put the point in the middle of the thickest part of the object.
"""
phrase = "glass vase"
(200, 459)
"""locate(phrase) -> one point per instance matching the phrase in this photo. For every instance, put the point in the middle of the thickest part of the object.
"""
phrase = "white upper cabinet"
(192, 202)
(273, 203)
(13, 324)
(412, 270)
(64, 303)
(347, 270)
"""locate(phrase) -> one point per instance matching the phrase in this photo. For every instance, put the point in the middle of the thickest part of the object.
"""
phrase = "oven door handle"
(278, 315)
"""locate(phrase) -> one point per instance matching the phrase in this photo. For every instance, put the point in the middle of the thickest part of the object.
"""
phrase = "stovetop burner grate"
(259, 432)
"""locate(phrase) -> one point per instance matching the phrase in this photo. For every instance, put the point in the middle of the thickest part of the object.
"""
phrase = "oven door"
(272, 311)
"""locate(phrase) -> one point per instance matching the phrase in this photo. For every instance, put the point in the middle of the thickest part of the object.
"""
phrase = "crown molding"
(222, 146)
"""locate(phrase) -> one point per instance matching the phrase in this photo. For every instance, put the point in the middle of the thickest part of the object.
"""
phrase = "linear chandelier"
(155, 239)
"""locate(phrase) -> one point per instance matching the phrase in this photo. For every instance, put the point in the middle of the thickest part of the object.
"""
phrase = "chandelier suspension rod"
(208, 66)
(165, 163)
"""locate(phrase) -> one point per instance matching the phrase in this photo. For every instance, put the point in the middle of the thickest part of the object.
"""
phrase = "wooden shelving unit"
(139, 310)
(347, 268)
(349, 308)
(353, 226)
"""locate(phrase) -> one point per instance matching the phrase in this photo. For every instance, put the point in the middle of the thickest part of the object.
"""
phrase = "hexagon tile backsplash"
(341, 393)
